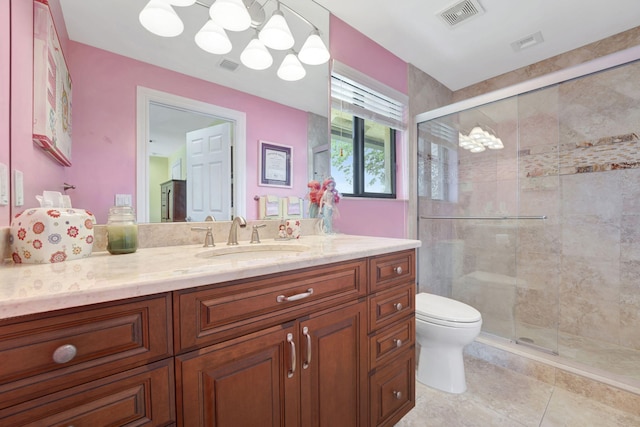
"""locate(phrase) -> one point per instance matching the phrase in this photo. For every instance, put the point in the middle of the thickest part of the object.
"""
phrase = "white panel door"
(209, 173)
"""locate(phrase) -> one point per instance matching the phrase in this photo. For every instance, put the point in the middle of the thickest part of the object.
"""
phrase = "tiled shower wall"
(596, 240)
(571, 154)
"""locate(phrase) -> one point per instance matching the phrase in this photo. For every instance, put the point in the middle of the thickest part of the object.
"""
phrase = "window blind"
(353, 97)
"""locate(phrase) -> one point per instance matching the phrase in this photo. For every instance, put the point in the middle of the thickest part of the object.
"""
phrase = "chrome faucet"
(233, 232)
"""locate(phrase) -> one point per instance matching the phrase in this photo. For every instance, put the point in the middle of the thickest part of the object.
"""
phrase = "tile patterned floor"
(499, 397)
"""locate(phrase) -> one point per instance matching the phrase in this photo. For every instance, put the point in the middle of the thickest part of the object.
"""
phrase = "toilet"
(443, 328)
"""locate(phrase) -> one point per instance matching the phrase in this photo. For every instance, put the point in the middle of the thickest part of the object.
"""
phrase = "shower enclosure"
(529, 211)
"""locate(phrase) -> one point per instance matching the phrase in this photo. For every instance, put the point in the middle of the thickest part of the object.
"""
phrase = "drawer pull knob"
(398, 270)
(64, 353)
(282, 298)
(307, 362)
(398, 342)
(292, 369)
(398, 306)
(397, 395)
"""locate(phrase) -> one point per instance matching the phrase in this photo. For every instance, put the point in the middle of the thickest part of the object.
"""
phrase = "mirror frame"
(145, 96)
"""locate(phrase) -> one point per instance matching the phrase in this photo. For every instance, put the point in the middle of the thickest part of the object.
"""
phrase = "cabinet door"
(333, 367)
(241, 383)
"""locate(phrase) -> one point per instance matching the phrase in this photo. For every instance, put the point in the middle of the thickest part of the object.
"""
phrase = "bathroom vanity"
(189, 336)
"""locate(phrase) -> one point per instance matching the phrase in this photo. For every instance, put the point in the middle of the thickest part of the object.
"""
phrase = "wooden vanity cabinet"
(340, 352)
(77, 366)
(324, 346)
(301, 364)
(391, 330)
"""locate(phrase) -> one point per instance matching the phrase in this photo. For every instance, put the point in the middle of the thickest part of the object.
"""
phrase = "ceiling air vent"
(528, 41)
(460, 11)
(227, 64)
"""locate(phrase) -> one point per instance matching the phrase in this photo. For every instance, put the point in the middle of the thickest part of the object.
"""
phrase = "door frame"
(145, 96)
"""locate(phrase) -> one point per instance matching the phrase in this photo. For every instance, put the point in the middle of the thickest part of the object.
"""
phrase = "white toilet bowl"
(443, 328)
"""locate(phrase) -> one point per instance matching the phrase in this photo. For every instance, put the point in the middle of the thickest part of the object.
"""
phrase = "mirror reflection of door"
(321, 162)
(209, 173)
(168, 128)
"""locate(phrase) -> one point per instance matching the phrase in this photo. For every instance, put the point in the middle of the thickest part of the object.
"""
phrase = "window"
(365, 123)
(363, 156)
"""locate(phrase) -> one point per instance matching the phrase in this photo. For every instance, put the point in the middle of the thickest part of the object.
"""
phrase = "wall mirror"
(114, 27)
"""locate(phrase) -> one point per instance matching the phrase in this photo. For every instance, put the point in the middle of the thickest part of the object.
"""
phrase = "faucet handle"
(208, 238)
(255, 237)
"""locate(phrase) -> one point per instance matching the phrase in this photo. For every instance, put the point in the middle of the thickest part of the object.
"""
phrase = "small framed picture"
(275, 164)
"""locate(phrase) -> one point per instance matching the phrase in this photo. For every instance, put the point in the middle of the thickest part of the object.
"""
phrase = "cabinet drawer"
(141, 396)
(388, 306)
(106, 338)
(220, 312)
(386, 271)
(389, 342)
(393, 391)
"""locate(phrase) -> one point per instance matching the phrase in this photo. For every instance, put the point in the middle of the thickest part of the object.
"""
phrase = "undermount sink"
(253, 251)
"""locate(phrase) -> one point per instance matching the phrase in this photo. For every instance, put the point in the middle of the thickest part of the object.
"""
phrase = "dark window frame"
(358, 141)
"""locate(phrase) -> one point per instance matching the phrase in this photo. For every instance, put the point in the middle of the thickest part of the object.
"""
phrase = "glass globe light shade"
(291, 69)
(477, 149)
(276, 33)
(231, 15)
(159, 18)
(181, 3)
(213, 39)
(314, 51)
(476, 133)
(256, 56)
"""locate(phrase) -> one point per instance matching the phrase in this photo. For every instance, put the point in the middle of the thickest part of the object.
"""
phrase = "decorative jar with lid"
(122, 230)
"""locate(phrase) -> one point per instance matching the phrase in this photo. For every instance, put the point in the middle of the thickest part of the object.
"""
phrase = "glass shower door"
(471, 221)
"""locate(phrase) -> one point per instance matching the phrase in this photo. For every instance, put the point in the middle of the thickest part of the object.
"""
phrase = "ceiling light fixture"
(256, 56)
(160, 18)
(479, 139)
(291, 69)
(213, 39)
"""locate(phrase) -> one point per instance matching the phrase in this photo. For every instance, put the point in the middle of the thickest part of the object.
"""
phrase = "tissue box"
(48, 235)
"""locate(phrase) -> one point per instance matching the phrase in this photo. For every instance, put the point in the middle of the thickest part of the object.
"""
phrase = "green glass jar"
(122, 230)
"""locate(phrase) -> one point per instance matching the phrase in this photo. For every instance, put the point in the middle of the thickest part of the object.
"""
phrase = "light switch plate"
(4, 185)
(123, 200)
(18, 187)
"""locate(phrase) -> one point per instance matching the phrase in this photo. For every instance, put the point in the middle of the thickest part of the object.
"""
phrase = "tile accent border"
(616, 152)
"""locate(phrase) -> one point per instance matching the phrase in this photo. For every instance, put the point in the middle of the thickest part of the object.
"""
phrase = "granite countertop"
(33, 288)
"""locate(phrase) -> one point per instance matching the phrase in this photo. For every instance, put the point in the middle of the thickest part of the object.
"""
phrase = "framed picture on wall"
(275, 163)
(51, 87)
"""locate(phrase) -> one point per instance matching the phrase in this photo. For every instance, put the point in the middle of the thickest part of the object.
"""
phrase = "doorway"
(146, 99)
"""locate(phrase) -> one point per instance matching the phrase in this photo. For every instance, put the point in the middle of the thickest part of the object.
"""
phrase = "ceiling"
(471, 51)
(480, 47)
(113, 25)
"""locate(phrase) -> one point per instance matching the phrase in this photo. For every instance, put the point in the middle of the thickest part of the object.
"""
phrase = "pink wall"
(40, 171)
(104, 121)
(371, 217)
(5, 85)
(104, 126)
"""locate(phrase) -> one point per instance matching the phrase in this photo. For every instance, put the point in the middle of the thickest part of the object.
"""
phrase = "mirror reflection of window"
(438, 161)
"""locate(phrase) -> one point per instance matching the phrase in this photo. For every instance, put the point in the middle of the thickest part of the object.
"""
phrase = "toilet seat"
(445, 311)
